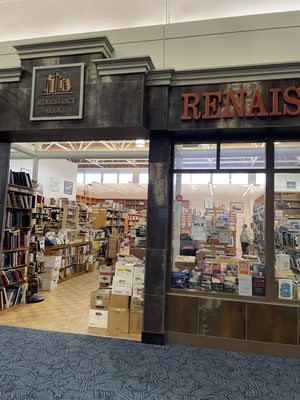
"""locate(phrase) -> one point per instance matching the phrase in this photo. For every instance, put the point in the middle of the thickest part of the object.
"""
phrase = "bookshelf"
(128, 204)
(74, 258)
(109, 218)
(70, 219)
(16, 240)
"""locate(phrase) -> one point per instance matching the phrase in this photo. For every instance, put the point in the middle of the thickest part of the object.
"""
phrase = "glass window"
(143, 178)
(287, 235)
(195, 156)
(242, 156)
(218, 234)
(287, 155)
(80, 177)
(110, 177)
(91, 177)
(125, 177)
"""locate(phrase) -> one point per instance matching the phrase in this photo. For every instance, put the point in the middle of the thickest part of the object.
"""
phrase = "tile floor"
(65, 309)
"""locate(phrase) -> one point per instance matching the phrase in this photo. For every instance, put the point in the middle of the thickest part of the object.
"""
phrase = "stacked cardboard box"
(93, 258)
(136, 315)
(122, 281)
(118, 314)
(50, 274)
(105, 275)
(99, 302)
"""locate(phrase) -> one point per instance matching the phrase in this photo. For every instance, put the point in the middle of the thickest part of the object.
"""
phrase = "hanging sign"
(57, 92)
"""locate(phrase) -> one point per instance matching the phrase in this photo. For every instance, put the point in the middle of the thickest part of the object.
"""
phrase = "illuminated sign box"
(57, 92)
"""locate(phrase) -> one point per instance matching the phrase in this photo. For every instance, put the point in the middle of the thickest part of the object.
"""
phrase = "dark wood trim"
(246, 346)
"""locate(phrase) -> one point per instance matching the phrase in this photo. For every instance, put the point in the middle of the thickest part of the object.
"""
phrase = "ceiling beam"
(22, 153)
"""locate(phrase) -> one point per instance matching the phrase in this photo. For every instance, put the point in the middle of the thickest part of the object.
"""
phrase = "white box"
(138, 291)
(50, 273)
(138, 275)
(122, 286)
(98, 318)
(48, 284)
(51, 261)
(124, 269)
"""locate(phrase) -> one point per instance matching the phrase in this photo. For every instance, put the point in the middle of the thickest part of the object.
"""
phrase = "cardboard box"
(139, 252)
(51, 261)
(91, 267)
(105, 278)
(48, 284)
(50, 273)
(136, 322)
(101, 260)
(124, 270)
(100, 298)
(139, 274)
(185, 262)
(138, 291)
(95, 244)
(118, 320)
(121, 286)
(119, 301)
(98, 318)
(136, 304)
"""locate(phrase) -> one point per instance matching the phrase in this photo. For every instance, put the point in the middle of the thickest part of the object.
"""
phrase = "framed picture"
(236, 207)
(231, 241)
(68, 187)
(54, 184)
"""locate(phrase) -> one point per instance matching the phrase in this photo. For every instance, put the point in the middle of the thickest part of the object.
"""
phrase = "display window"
(287, 235)
(220, 219)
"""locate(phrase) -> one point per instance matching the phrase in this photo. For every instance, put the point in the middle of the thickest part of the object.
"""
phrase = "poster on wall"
(68, 187)
(54, 184)
(57, 92)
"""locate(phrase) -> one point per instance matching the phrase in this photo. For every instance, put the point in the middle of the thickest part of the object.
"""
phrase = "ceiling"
(89, 154)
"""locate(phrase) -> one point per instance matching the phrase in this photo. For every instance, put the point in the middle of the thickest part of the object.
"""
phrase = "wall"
(254, 39)
(61, 170)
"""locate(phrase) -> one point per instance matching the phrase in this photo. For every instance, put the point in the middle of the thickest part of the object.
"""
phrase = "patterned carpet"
(40, 365)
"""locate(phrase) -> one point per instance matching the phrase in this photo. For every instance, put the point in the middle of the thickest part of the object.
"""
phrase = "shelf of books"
(287, 244)
(71, 259)
(16, 240)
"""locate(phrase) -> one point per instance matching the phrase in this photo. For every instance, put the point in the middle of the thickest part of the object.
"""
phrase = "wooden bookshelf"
(16, 240)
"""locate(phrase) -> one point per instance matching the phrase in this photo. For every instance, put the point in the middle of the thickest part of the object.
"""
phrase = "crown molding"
(66, 48)
(160, 77)
(12, 74)
(121, 66)
(244, 73)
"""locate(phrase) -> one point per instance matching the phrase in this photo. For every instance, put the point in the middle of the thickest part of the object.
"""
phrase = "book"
(285, 289)
(244, 267)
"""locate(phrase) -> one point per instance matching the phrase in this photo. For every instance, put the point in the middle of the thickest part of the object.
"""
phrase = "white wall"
(240, 40)
(61, 170)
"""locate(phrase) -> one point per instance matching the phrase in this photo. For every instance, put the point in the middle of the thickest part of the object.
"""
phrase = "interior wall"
(52, 174)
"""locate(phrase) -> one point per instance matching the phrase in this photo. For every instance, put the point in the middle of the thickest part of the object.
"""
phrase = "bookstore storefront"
(223, 166)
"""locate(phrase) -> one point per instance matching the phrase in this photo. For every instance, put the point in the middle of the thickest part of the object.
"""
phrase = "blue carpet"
(39, 365)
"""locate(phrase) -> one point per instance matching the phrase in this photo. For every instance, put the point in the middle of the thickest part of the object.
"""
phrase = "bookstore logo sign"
(57, 92)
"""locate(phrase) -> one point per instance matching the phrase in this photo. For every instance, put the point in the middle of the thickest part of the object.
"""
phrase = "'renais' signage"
(57, 92)
(275, 102)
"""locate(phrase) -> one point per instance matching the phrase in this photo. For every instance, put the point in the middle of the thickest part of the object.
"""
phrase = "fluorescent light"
(140, 143)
